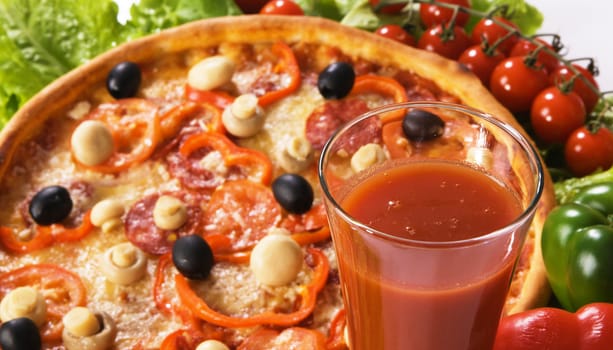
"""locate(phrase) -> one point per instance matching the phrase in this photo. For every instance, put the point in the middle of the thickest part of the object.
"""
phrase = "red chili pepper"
(385, 86)
(590, 328)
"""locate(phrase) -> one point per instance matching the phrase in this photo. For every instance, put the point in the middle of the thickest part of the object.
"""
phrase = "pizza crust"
(450, 76)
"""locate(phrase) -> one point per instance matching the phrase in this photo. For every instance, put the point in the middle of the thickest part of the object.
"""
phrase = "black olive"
(293, 192)
(123, 80)
(50, 205)
(20, 334)
(336, 80)
(193, 257)
(421, 125)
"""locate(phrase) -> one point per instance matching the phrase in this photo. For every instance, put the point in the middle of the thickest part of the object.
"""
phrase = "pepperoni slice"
(142, 232)
(328, 117)
(242, 210)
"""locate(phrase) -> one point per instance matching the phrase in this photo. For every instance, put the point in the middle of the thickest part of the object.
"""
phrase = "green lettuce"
(527, 17)
(44, 39)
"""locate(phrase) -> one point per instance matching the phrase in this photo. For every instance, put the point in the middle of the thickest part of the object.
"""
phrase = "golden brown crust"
(448, 75)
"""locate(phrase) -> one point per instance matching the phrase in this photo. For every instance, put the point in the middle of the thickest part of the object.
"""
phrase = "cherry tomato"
(446, 42)
(555, 114)
(251, 6)
(387, 9)
(515, 85)
(480, 62)
(432, 15)
(282, 7)
(487, 29)
(563, 74)
(525, 47)
(586, 152)
(396, 32)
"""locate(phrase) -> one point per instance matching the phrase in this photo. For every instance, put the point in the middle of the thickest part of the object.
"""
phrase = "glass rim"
(526, 146)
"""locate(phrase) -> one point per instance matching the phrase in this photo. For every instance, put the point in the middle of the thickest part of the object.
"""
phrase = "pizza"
(165, 194)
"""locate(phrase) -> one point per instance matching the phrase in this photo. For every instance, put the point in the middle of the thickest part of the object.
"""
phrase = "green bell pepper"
(577, 246)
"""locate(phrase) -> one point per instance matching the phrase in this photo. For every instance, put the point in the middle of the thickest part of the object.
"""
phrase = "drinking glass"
(428, 205)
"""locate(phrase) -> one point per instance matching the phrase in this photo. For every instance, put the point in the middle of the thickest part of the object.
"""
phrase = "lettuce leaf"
(41, 40)
(151, 16)
(527, 17)
(44, 39)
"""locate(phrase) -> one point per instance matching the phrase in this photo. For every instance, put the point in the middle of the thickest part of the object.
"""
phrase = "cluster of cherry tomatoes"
(525, 75)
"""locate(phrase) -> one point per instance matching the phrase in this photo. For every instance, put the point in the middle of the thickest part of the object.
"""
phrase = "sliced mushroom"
(244, 117)
(24, 302)
(124, 264)
(92, 142)
(87, 330)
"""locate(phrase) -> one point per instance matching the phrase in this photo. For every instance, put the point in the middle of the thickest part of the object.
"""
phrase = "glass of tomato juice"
(429, 205)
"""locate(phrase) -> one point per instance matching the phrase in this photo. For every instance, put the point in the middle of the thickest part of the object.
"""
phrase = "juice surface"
(426, 201)
(432, 201)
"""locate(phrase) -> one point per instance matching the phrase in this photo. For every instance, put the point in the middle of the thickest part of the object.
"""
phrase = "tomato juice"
(434, 273)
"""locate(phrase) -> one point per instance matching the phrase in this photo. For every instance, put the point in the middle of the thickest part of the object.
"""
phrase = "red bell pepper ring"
(45, 236)
(381, 85)
(590, 328)
(256, 165)
(135, 126)
(287, 64)
(306, 305)
(219, 99)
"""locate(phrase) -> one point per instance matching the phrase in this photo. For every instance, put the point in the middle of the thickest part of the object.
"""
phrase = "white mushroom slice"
(79, 110)
(169, 213)
(210, 73)
(24, 302)
(107, 214)
(86, 330)
(92, 142)
(244, 117)
(212, 344)
(276, 260)
(123, 264)
(480, 156)
(297, 156)
(366, 156)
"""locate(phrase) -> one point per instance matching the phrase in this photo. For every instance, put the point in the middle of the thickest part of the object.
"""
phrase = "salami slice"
(325, 119)
(142, 232)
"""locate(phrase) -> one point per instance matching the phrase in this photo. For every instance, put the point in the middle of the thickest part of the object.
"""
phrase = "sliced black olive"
(293, 192)
(336, 80)
(123, 80)
(20, 334)
(193, 257)
(420, 125)
(50, 205)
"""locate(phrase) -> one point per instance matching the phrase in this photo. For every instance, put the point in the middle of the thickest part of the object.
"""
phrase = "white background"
(586, 29)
